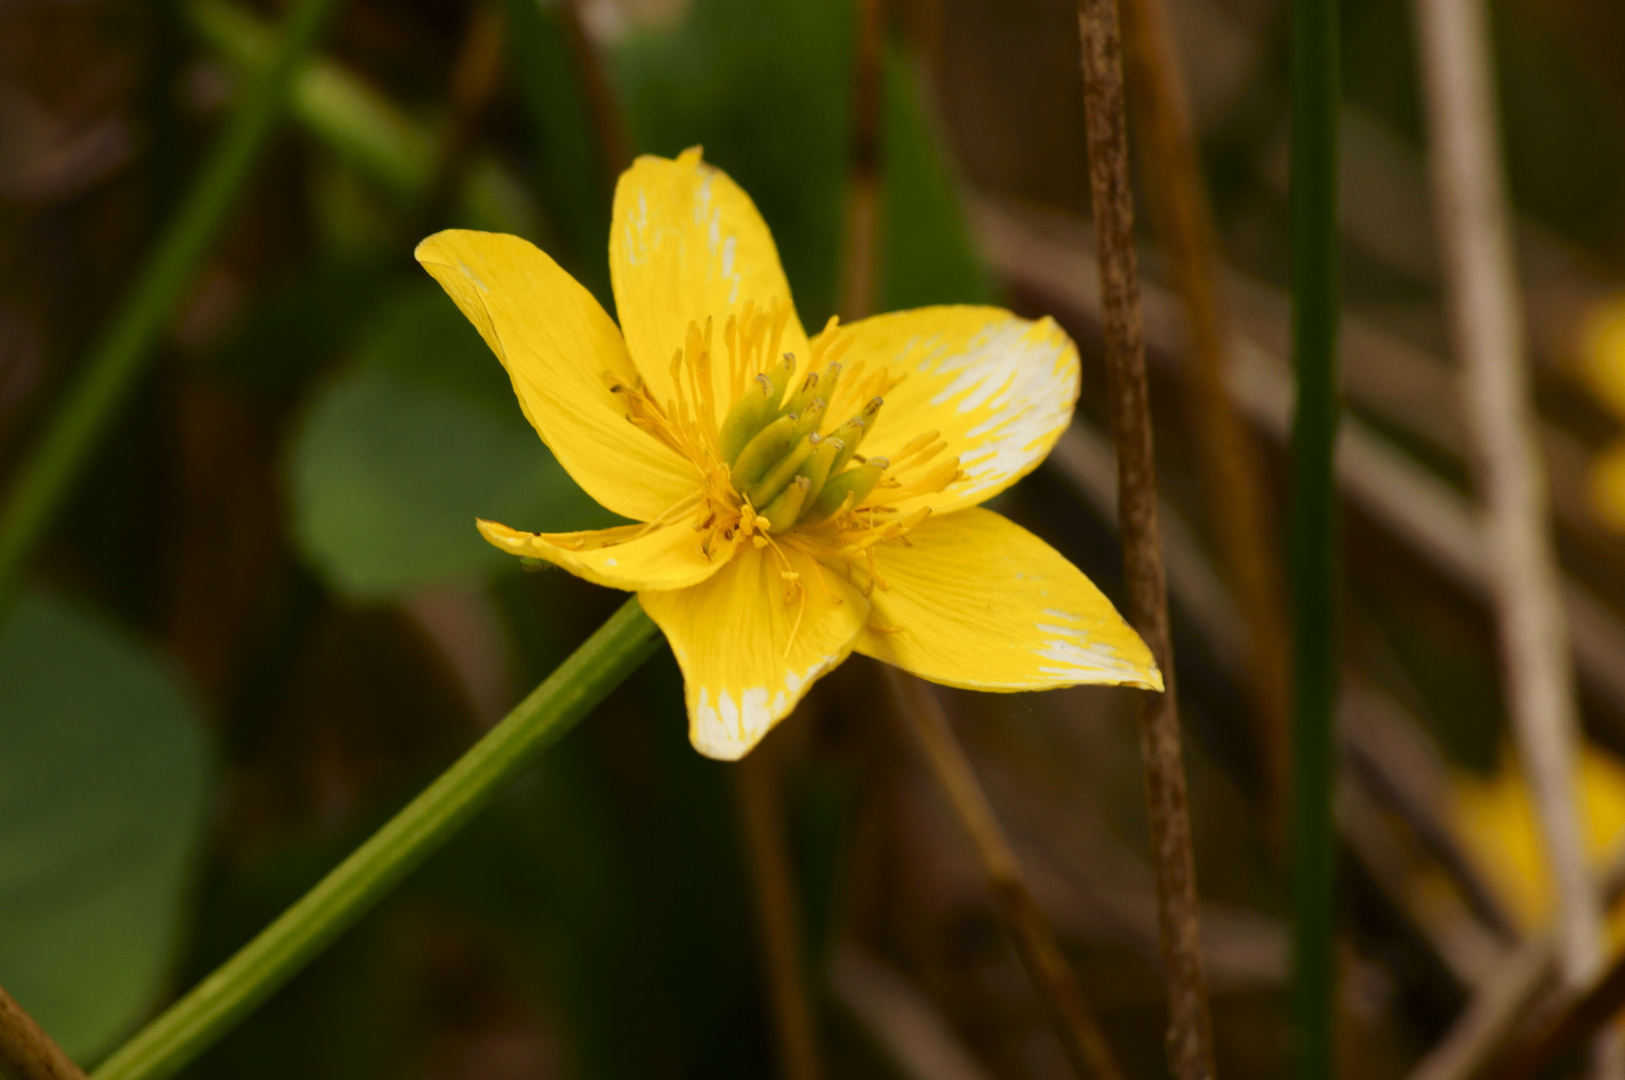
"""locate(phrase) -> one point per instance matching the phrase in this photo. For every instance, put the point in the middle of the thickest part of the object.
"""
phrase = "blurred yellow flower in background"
(1602, 362)
(1498, 821)
(767, 547)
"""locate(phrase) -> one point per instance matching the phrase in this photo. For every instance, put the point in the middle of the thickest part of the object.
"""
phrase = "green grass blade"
(1315, 303)
(60, 454)
(351, 889)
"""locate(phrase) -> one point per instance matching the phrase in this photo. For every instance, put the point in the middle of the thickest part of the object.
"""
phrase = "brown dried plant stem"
(1029, 927)
(860, 259)
(1470, 208)
(26, 1052)
(614, 143)
(475, 77)
(778, 915)
(1583, 1019)
(1232, 475)
(1190, 1029)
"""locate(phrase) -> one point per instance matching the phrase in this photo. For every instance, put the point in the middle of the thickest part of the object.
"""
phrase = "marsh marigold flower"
(796, 499)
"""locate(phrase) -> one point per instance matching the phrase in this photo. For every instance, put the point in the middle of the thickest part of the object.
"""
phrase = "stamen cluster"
(773, 466)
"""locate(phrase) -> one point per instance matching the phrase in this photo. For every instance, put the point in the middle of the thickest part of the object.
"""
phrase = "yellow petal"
(1607, 484)
(631, 557)
(556, 342)
(687, 243)
(750, 644)
(1602, 352)
(998, 389)
(978, 602)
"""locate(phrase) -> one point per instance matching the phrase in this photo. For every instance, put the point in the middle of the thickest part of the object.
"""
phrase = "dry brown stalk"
(1232, 475)
(1407, 499)
(1190, 1029)
(475, 78)
(26, 1052)
(778, 914)
(608, 125)
(1502, 1001)
(1471, 212)
(860, 258)
(1582, 1020)
(919, 1039)
(1029, 927)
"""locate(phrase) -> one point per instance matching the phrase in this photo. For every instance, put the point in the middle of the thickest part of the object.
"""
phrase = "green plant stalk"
(54, 462)
(1316, 289)
(362, 127)
(350, 890)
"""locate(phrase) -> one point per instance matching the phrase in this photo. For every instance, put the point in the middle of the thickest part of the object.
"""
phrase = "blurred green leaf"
(420, 436)
(103, 789)
(301, 327)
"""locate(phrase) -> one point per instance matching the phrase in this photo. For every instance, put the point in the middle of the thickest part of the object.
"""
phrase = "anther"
(853, 431)
(782, 512)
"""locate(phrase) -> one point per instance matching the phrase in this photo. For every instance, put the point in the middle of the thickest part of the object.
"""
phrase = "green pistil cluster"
(789, 472)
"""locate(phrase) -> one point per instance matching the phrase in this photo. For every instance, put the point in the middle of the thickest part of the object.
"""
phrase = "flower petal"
(999, 391)
(750, 647)
(686, 243)
(976, 601)
(556, 342)
(631, 557)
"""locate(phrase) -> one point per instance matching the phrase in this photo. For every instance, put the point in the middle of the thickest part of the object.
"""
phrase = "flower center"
(779, 463)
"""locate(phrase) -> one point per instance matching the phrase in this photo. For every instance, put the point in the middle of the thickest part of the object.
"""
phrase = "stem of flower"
(762, 830)
(57, 458)
(1029, 927)
(1190, 1028)
(1316, 298)
(352, 888)
(26, 1052)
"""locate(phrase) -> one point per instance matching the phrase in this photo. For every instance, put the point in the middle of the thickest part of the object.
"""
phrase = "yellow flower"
(1602, 362)
(768, 546)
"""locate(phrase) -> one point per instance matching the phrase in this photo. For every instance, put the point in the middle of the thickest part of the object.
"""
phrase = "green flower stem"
(1315, 303)
(225, 997)
(72, 434)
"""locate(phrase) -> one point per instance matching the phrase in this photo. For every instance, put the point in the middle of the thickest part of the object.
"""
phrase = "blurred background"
(264, 619)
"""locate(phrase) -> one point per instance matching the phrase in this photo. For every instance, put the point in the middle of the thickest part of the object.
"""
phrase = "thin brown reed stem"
(1190, 1029)
(860, 256)
(1232, 475)
(476, 74)
(1581, 1021)
(1029, 927)
(614, 142)
(778, 914)
(26, 1052)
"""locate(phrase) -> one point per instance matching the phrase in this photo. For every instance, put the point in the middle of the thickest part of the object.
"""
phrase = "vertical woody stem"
(26, 1052)
(1233, 481)
(1190, 1032)
(1029, 927)
(772, 881)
